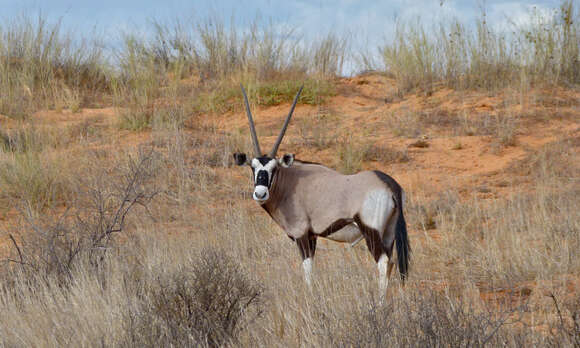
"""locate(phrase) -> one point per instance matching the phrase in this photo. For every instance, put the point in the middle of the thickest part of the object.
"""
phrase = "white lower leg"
(307, 266)
(383, 279)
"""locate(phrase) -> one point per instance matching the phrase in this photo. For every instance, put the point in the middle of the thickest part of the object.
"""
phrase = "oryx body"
(308, 200)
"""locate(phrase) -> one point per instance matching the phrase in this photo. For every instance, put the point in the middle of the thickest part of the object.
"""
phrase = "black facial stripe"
(264, 160)
(262, 178)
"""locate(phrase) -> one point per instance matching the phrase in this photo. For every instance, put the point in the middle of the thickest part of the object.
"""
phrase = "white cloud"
(505, 15)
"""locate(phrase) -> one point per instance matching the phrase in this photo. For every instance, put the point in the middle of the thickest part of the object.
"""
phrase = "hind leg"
(375, 214)
(376, 248)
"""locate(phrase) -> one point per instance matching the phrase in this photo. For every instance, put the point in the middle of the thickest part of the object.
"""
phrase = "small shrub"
(423, 319)
(458, 146)
(406, 124)
(314, 131)
(208, 301)
(350, 155)
(53, 247)
(504, 130)
(421, 143)
(567, 327)
(386, 154)
(37, 180)
(136, 118)
(169, 117)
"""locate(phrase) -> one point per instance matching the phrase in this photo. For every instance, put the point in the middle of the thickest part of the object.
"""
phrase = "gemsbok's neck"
(277, 192)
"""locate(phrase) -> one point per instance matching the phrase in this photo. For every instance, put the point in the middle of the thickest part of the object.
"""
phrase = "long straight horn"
(281, 135)
(257, 151)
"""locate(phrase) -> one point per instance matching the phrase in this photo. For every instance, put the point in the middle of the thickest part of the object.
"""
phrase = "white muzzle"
(261, 193)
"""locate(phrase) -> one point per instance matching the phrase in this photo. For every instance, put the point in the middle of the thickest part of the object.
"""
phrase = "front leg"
(307, 247)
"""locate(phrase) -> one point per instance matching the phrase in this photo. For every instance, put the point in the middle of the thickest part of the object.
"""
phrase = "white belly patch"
(347, 234)
(377, 207)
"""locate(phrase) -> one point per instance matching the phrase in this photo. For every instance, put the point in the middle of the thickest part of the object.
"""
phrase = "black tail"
(403, 246)
(401, 237)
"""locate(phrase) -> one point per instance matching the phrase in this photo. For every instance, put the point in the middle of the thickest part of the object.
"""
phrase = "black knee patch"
(306, 246)
(372, 238)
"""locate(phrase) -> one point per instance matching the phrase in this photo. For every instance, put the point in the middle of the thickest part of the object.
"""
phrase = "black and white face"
(264, 170)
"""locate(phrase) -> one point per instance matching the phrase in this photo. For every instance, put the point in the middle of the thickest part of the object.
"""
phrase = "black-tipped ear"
(287, 160)
(240, 158)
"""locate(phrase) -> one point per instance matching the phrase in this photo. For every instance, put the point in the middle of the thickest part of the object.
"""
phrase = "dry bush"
(139, 84)
(228, 97)
(485, 241)
(566, 330)
(386, 154)
(328, 55)
(502, 128)
(207, 301)
(97, 213)
(142, 296)
(421, 319)
(277, 92)
(554, 161)
(411, 124)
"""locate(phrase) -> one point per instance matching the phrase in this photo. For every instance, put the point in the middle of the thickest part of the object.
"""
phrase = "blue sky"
(315, 16)
(370, 22)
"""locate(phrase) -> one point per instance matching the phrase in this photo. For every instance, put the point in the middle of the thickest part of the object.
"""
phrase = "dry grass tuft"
(41, 66)
(544, 51)
(37, 180)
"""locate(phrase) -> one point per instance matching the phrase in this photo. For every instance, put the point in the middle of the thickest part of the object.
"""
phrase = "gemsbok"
(308, 200)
